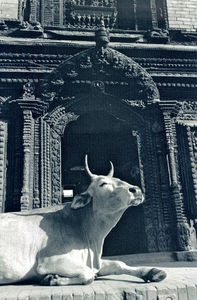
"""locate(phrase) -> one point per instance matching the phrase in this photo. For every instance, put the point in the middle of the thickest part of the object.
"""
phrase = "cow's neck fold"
(96, 226)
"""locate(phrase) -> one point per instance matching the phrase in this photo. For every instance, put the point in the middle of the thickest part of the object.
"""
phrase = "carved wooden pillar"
(42, 12)
(28, 134)
(3, 158)
(135, 14)
(186, 135)
(36, 183)
(28, 145)
(182, 227)
(33, 11)
(159, 16)
(170, 146)
(47, 13)
(150, 219)
(186, 121)
(31, 108)
(45, 165)
(192, 142)
(53, 127)
(157, 239)
(154, 13)
(163, 201)
(162, 14)
(56, 168)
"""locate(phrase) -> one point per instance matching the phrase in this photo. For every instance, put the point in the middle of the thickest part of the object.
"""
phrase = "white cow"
(63, 245)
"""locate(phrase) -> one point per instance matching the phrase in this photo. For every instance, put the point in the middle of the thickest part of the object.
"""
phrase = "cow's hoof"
(154, 275)
(50, 280)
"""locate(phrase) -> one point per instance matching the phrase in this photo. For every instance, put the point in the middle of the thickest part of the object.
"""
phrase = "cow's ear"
(81, 200)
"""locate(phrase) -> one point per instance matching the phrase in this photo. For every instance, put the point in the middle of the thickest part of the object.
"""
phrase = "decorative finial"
(102, 35)
(28, 90)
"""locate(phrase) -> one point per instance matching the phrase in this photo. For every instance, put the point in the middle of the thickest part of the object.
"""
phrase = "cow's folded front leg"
(61, 270)
(85, 276)
(117, 267)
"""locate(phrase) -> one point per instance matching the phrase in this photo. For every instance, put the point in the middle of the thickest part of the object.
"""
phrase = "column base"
(190, 255)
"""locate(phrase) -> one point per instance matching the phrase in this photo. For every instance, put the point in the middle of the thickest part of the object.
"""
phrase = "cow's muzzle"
(139, 198)
(137, 201)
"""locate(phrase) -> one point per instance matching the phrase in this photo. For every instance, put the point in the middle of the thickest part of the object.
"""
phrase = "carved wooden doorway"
(105, 138)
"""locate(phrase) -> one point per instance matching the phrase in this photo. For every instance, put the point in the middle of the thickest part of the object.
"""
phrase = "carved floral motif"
(57, 120)
(137, 103)
(89, 14)
(188, 111)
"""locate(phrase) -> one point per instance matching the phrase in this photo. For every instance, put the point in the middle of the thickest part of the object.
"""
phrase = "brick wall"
(182, 14)
(9, 9)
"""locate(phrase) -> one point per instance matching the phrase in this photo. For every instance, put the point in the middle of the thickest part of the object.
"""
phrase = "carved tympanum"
(118, 74)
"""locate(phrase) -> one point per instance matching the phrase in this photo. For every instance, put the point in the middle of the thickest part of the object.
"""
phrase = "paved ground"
(181, 284)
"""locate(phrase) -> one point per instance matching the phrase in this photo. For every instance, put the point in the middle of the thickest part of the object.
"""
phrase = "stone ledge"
(186, 255)
(101, 290)
(181, 283)
(145, 258)
(157, 257)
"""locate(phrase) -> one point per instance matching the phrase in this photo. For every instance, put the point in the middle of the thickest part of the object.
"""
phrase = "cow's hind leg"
(109, 267)
(86, 276)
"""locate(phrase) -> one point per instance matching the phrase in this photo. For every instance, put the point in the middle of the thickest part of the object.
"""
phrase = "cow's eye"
(102, 184)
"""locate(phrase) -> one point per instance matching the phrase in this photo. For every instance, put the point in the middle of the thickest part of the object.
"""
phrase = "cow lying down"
(63, 245)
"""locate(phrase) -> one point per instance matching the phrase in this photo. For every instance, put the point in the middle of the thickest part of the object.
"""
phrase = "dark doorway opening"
(105, 138)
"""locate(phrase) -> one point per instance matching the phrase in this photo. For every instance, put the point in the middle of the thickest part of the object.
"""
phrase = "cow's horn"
(111, 172)
(87, 168)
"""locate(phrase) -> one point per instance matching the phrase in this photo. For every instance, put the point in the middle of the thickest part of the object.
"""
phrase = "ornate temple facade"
(66, 91)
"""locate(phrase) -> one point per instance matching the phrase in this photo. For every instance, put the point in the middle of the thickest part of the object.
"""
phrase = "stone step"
(145, 258)
(180, 284)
